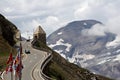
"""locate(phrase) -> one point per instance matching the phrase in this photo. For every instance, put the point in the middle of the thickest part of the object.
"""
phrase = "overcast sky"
(53, 14)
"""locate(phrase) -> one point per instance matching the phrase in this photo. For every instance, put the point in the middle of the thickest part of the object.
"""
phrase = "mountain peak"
(86, 51)
(83, 23)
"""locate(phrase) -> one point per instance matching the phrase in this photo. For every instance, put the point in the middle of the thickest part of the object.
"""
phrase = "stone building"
(40, 35)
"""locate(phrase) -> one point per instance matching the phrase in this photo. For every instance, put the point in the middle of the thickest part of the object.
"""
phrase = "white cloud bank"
(96, 30)
(53, 14)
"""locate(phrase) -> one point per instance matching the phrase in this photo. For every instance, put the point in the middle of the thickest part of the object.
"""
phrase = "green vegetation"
(60, 69)
(8, 30)
(7, 40)
(5, 50)
(3, 63)
(41, 46)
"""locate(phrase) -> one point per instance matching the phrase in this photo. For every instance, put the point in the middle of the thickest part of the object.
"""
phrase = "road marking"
(32, 71)
(2, 76)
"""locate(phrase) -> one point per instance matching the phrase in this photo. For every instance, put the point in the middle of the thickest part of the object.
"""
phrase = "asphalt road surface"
(31, 63)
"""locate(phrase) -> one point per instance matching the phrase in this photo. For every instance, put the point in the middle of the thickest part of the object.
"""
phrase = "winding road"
(31, 62)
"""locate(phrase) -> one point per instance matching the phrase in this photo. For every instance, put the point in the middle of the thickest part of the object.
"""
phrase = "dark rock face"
(7, 30)
(8, 38)
(87, 51)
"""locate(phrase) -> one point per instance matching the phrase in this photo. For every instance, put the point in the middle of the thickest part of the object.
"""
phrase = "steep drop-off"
(60, 69)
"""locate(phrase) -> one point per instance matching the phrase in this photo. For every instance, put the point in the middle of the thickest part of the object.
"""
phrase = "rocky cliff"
(8, 38)
(8, 30)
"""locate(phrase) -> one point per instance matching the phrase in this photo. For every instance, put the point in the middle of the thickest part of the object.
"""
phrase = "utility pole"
(11, 74)
(15, 76)
(11, 67)
(20, 64)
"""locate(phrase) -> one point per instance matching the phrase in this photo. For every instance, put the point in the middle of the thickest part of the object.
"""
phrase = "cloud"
(114, 25)
(49, 24)
(53, 14)
(29, 27)
(111, 26)
(96, 30)
(52, 23)
(97, 9)
(8, 10)
(102, 10)
(52, 20)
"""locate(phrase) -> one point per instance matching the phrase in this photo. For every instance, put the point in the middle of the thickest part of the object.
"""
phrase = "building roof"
(39, 30)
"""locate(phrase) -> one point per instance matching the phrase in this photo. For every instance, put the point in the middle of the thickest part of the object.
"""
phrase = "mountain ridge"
(8, 40)
(60, 69)
(88, 51)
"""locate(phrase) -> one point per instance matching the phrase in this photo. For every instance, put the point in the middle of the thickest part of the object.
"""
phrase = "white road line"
(32, 71)
(2, 76)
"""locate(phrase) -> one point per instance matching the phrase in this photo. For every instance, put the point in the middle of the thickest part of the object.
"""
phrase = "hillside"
(7, 39)
(60, 69)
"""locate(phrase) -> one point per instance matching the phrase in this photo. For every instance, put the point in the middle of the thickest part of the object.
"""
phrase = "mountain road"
(31, 63)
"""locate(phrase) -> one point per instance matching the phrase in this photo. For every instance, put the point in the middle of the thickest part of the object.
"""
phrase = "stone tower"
(40, 35)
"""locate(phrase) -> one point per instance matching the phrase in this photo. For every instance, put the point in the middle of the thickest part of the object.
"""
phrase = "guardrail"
(45, 62)
(48, 58)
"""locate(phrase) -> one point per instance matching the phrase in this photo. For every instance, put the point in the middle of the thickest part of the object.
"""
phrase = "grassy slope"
(7, 31)
(5, 50)
(60, 69)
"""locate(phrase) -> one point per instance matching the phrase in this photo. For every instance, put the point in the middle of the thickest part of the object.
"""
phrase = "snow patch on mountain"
(71, 59)
(68, 46)
(108, 57)
(85, 56)
(118, 51)
(89, 45)
(114, 43)
(102, 62)
(63, 55)
(59, 51)
(61, 42)
(117, 58)
(84, 23)
(59, 33)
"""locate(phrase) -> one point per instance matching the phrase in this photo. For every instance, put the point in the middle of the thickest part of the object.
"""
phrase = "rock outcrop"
(8, 38)
(8, 30)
